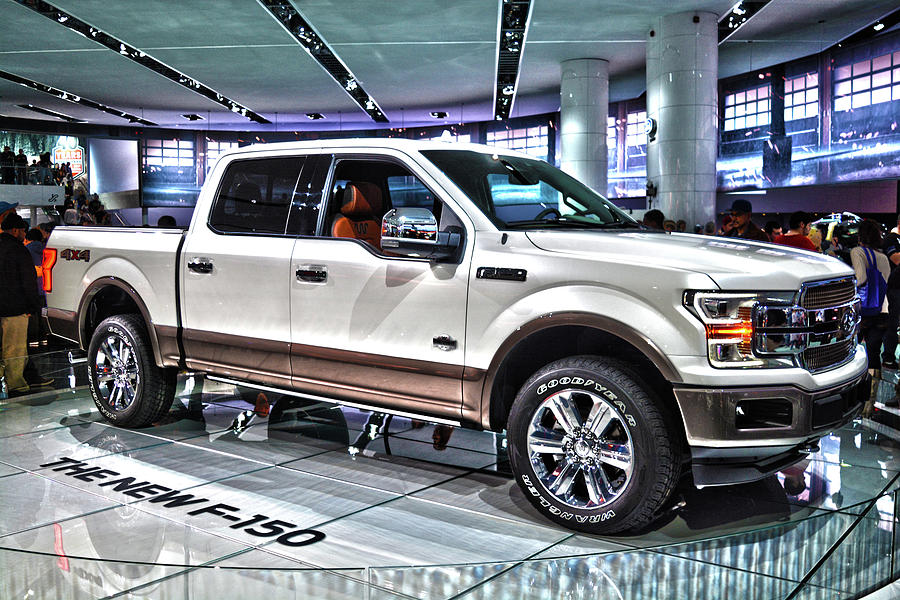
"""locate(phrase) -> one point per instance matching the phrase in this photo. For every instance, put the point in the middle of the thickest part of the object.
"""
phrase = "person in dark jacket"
(741, 225)
(37, 330)
(18, 299)
(891, 248)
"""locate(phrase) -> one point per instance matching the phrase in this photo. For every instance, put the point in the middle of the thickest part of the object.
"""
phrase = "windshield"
(524, 193)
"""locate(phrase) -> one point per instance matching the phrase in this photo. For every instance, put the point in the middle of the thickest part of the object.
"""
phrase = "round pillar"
(583, 108)
(682, 99)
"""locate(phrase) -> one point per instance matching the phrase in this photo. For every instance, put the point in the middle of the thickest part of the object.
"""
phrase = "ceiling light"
(515, 18)
(52, 113)
(314, 116)
(78, 26)
(878, 26)
(68, 96)
(192, 117)
(738, 16)
(299, 28)
(438, 114)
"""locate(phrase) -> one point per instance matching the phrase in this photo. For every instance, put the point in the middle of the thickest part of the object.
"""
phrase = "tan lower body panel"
(413, 386)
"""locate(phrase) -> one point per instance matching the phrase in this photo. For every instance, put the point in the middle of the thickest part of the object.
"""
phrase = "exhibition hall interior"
(450, 300)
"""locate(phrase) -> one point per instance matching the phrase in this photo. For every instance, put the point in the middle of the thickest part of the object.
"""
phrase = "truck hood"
(734, 264)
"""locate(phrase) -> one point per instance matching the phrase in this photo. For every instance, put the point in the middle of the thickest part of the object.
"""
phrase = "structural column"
(584, 104)
(682, 105)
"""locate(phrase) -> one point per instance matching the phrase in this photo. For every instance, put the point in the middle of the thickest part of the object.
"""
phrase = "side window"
(364, 190)
(408, 191)
(255, 195)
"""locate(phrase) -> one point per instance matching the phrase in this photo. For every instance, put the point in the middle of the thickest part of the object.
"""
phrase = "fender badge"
(72, 254)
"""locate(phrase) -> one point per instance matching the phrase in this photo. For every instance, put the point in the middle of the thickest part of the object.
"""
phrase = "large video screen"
(840, 125)
(114, 169)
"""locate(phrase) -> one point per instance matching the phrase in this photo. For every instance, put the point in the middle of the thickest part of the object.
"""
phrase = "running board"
(368, 407)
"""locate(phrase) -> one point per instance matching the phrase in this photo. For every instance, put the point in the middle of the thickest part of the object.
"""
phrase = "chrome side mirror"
(414, 232)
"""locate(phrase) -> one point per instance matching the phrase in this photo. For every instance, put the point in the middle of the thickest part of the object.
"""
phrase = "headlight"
(730, 328)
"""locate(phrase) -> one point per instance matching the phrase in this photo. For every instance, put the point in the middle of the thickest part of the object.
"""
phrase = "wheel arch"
(108, 296)
(559, 335)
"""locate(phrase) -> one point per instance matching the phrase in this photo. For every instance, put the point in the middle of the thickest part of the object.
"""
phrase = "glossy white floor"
(278, 507)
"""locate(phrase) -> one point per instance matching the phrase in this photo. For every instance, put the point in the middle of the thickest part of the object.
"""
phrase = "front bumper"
(744, 434)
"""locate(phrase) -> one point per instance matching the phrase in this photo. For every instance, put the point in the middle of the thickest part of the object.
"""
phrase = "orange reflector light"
(743, 329)
(47, 263)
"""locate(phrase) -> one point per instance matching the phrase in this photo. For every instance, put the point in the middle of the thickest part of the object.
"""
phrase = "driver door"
(371, 328)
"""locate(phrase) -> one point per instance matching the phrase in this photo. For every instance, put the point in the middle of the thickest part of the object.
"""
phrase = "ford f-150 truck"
(476, 287)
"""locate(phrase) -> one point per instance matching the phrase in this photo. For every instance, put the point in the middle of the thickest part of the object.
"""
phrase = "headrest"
(361, 200)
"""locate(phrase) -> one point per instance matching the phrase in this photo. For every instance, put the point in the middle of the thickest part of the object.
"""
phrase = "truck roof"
(404, 145)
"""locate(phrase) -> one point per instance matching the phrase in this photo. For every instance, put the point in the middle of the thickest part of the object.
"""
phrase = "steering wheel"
(547, 211)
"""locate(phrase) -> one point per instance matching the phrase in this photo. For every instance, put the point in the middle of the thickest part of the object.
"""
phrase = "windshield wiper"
(620, 225)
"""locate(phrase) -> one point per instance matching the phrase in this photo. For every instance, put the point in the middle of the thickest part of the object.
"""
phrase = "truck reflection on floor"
(759, 518)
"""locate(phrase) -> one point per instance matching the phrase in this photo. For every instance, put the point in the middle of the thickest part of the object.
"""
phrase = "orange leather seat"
(360, 204)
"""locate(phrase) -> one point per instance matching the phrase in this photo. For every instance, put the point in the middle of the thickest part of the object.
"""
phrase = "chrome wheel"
(580, 447)
(116, 372)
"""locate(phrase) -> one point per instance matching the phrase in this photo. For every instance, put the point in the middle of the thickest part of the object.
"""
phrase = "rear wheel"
(127, 386)
(592, 448)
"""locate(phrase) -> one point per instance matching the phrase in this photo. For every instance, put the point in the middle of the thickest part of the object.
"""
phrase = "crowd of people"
(16, 170)
(738, 223)
(81, 210)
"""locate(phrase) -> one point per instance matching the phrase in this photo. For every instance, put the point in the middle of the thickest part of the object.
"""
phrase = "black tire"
(610, 480)
(145, 391)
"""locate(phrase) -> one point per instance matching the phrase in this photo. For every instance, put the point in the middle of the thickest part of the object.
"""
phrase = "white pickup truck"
(475, 287)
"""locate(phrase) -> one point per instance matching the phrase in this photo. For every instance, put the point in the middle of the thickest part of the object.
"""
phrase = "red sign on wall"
(67, 150)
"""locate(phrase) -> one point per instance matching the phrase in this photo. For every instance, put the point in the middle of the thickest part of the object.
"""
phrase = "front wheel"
(127, 386)
(592, 448)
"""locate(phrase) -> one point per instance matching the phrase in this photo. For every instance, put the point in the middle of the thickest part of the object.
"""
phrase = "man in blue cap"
(6, 208)
(742, 226)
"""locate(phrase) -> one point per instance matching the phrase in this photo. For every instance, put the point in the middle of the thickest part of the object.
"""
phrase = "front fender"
(655, 322)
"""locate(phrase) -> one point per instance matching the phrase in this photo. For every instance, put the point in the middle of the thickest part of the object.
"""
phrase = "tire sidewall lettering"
(557, 385)
(565, 514)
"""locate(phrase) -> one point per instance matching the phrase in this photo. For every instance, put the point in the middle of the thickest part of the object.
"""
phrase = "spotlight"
(192, 117)
(314, 116)
(439, 114)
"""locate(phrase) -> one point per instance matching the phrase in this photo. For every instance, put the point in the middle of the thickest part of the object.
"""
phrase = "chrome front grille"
(832, 293)
(818, 333)
(824, 357)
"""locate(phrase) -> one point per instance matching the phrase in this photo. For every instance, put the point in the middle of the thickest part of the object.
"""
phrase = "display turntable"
(284, 497)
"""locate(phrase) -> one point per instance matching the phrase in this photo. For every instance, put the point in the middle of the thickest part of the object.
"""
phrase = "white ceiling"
(411, 56)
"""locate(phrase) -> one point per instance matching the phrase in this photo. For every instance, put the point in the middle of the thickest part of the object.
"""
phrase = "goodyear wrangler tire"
(127, 386)
(591, 447)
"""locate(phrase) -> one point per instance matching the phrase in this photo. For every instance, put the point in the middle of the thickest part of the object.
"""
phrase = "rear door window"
(255, 196)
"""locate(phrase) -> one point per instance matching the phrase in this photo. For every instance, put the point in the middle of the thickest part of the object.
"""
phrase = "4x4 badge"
(72, 254)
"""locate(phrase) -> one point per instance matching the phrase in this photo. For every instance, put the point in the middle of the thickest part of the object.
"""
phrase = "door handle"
(444, 342)
(314, 273)
(200, 265)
